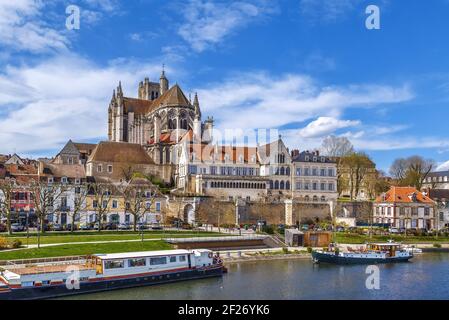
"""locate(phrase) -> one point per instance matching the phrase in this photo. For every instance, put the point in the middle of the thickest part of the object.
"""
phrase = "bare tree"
(139, 198)
(79, 203)
(45, 196)
(357, 165)
(333, 146)
(102, 194)
(412, 171)
(6, 194)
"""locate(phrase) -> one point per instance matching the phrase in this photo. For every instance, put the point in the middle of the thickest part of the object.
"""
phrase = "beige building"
(405, 207)
(314, 177)
(224, 172)
(115, 161)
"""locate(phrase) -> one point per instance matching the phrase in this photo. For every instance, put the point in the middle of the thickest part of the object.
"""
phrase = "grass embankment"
(84, 249)
(351, 238)
(50, 238)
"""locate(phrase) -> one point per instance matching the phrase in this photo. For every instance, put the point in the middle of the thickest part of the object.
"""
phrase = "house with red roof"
(405, 207)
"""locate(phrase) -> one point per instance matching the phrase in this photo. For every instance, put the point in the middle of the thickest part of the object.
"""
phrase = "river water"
(425, 277)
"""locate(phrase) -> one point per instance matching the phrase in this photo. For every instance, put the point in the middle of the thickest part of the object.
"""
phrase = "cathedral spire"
(163, 81)
(196, 105)
(119, 90)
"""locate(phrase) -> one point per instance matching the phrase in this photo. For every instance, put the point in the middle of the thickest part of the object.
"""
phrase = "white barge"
(103, 272)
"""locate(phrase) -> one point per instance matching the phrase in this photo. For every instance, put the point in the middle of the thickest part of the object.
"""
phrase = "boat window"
(46, 282)
(172, 259)
(182, 258)
(114, 264)
(28, 284)
(137, 262)
(159, 260)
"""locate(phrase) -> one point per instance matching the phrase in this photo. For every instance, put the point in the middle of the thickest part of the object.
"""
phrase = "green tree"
(357, 165)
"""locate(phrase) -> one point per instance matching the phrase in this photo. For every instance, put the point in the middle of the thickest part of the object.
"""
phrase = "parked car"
(85, 226)
(68, 227)
(340, 229)
(124, 226)
(17, 227)
(156, 226)
(56, 227)
(393, 230)
(46, 227)
(110, 226)
(142, 226)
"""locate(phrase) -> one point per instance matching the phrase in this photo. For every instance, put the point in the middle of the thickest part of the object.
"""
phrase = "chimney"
(295, 153)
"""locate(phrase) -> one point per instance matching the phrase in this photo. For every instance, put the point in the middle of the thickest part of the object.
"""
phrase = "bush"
(3, 243)
(309, 249)
(437, 245)
(285, 251)
(268, 229)
(16, 244)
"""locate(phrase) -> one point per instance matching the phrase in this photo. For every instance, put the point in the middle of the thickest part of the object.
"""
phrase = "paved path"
(31, 246)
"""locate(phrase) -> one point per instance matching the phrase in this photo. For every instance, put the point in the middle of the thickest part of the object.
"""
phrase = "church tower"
(163, 83)
(197, 120)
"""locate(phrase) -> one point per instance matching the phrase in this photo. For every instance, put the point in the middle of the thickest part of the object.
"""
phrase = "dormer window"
(323, 159)
(253, 159)
(64, 179)
(77, 181)
(50, 180)
(100, 168)
(240, 158)
(306, 158)
(109, 168)
(314, 159)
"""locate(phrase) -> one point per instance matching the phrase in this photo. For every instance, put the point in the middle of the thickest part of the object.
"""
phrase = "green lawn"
(84, 249)
(108, 236)
(358, 239)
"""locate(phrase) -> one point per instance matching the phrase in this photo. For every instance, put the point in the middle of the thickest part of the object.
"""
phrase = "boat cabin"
(150, 261)
(389, 247)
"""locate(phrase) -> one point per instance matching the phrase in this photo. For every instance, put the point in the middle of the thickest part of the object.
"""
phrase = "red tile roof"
(403, 195)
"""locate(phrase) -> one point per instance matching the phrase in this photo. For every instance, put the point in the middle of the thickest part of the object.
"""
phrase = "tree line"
(356, 170)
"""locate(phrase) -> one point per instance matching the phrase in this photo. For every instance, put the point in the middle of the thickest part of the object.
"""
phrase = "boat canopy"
(142, 254)
(388, 244)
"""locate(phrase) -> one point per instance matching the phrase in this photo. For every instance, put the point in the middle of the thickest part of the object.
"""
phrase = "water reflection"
(427, 277)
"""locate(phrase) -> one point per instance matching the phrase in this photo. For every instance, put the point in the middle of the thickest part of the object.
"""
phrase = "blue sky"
(308, 68)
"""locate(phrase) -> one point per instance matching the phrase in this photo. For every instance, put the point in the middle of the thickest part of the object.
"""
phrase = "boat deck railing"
(11, 264)
(215, 239)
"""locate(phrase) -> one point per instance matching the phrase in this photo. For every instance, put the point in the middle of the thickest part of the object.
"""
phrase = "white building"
(314, 177)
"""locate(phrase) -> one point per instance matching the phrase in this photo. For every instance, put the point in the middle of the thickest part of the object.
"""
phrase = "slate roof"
(108, 151)
(173, 97)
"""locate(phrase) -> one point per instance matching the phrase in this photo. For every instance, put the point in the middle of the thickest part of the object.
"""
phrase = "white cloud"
(207, 23)
(22, 27)
(326, 10)
(260, 99)
(65, 97)
(443, 167)
(104, 5)
(324, 126)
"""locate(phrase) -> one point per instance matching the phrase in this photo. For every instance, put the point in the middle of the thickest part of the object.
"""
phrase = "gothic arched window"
(282, 185)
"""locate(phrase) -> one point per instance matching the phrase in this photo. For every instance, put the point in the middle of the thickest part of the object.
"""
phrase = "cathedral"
(158, 119)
